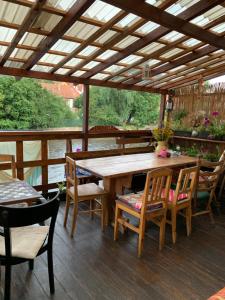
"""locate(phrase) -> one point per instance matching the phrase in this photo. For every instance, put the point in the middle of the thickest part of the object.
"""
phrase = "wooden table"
(114, 169)
(16, 191)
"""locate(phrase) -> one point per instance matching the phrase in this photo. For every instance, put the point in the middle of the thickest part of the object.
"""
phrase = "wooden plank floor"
(93, 266)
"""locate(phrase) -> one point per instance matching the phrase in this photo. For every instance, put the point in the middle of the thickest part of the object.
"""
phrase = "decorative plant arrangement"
(162, 136)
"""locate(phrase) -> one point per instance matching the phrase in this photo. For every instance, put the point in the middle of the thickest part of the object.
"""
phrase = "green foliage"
(121, 107)
(24, 104)
(179, 115)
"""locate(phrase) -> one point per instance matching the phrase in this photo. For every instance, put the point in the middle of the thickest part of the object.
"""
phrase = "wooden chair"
(206, 185)
(222, 179)
(21, 242)
(7, 158)
(145, 206)
(181, 199)
(83, 192)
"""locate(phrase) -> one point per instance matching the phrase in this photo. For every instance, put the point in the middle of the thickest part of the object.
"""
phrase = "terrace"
(153, 46)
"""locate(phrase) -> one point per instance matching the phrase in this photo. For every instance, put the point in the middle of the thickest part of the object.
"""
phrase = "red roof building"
(68, 91)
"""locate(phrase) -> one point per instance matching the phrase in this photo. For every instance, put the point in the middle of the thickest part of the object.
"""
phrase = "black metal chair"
(22, 224)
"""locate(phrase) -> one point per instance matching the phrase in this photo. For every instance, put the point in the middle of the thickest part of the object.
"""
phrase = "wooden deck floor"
(93, 266)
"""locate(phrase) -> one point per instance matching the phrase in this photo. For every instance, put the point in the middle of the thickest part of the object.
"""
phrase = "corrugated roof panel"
(127, 41)
(156, 77)
(155, 2)
(82, 30)
(62, 4)
(51, 58)
(91, 65)
(89, 50)
(177, 69)
(13, 64)
(210, 15)
(106, 36)
(78, 73)
(218, 51)
(132, 72)
(117, 79)
(73, 62)
(128, 21)
(39, 68)
(151, 62)
(172, 36)
(180, 6)
(217, 64)
(65, 46)
(7, 34)
(107, 54)
(12, 12)
(61, 71)
(31, 39)
(47, 21)
(100, 76)
(191, 42)
(198, 60)
(147, 27)
(196, 72)
(172, 52)
(144, 82)
(114, 68)
(151, 48)
(130, 59)
(101, 11)
(21, 53)
(219, 28)
(2, 50)
(177, 78)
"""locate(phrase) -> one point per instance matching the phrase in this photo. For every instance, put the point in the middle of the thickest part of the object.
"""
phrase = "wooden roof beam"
(30, 18)
(195, 10)
(59, 30)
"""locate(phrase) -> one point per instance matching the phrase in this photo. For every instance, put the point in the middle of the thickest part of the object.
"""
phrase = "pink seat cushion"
(172, 194)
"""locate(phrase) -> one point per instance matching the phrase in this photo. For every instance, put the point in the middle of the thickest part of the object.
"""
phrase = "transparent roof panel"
(73, 62)
(209, 16)
(172, 36)
(13, 64)
(47, 21)
(151, 48)
(128, 21)
(154, 2)
(117, 79)
(2, 50)
(88, 50)
(130, 59)
(7, 34)
(114, 68)
(106, 36)
(127, 41)
(31, 39)
(21, 53)
(82, 30)
(147, 27)
(78, 73)
(12, 12)
(91, 65)
(62, 4)
(39, 68)
(65, 46)
(177, 69)
(62, 71)
(51, 58)
(100, 76)
(191, 42)
(144, 82)
(151, 62)
(107, 54)
(219, 28)
(172, 52)
(175, 9)
(101, 11)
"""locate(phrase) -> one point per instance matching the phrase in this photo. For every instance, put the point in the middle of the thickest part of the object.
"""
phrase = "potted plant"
(162, 136)
(178, 123)
(217, 127)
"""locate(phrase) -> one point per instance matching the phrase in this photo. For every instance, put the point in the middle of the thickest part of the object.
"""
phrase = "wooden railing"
(44, 136)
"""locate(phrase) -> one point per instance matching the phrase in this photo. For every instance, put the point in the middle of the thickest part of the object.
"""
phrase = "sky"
(217, 79)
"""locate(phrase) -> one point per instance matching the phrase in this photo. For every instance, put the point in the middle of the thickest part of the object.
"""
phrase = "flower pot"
(182, 133)
(161, 145)
(203, 134)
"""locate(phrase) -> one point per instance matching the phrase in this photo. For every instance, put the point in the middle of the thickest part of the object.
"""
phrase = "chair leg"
(66, 209)
(75, 212)
(103, 213)
(7, 282)
(116, 224)
(162, 232)
(51, 272)
(141, 237)
(31, 264)
(174, 225)
(210, 209)
(188, 220)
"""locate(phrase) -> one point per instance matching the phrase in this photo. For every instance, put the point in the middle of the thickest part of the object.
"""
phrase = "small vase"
(162, 145)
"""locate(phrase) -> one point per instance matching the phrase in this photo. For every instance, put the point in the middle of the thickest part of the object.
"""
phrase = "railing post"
(85, 117)
(19, 159)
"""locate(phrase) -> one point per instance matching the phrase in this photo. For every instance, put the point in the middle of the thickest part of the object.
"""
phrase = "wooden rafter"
(59, 30)
(153, 36)
(77, 80)
(32, 15)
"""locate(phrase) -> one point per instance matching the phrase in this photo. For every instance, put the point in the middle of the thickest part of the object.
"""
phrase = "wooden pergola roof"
(108, 42)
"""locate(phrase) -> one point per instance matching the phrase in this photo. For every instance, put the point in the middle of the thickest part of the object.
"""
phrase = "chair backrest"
(207, 180)
(186, 184)
(19, 217)
(7, 158)
(71, 178)
(157, 188)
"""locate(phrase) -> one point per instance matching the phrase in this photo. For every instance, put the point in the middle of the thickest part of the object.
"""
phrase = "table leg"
(109, 186)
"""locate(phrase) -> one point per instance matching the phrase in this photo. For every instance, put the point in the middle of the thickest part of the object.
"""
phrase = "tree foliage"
(24, 104)
(121, 107)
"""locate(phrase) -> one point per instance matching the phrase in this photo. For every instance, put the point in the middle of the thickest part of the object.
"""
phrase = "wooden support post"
(69, 146)
(19, 159)
(44, 158)
(85, 117)
(162, 110)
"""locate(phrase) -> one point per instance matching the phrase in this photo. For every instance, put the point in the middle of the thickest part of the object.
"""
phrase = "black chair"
(20, 222)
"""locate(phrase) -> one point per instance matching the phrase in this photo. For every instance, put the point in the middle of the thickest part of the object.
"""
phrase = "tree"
(121, 107)
(24, 104)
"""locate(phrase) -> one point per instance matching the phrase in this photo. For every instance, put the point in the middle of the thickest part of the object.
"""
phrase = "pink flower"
(206, 122)
(215, 113)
